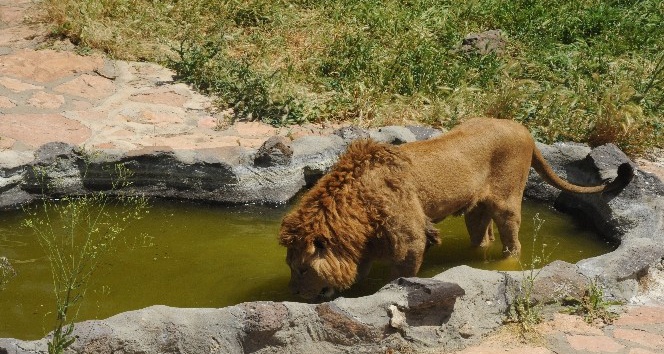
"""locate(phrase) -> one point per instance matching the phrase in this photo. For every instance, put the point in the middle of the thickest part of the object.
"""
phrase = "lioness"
(379, 201)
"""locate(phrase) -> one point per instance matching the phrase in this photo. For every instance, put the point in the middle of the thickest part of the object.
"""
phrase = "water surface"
(190, 255)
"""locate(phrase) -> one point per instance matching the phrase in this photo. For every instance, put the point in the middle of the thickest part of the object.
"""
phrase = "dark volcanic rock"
(274, 151)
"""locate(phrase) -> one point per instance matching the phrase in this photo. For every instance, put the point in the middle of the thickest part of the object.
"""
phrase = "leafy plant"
(592, 305)
(76, 233)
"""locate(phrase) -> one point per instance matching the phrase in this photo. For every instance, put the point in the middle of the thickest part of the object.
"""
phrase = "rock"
(466, 331)
(484, 305)
(56, 170)
(351, 133)
(37, 129)
(274, 151)
(424, 294)
(557, 281)
(397, 318)
(423, 133)
(483, 43)
(452, 310)
(395, 135)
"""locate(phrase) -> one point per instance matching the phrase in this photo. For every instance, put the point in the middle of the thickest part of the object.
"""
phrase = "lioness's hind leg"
(478, 223)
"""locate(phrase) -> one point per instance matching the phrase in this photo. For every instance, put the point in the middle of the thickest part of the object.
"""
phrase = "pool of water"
(190, 255)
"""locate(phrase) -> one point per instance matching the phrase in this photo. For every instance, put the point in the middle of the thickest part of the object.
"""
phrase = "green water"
(189, 255)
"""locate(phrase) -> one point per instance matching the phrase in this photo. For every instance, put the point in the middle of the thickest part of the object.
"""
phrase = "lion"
(381, 202)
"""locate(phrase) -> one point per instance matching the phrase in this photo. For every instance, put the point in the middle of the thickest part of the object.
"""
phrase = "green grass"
(580, 70)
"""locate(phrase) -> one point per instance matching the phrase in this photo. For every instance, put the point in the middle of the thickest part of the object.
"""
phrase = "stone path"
(48, 95)
(639, 330)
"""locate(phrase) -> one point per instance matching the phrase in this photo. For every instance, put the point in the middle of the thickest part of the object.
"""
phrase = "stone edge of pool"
(406, 313)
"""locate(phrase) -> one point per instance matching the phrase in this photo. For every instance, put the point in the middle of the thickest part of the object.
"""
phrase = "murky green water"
(206, 256)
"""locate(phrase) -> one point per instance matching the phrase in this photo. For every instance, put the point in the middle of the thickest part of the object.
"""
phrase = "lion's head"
(326, 235)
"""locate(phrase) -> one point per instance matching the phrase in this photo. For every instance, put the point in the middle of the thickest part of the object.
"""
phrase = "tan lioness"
(379, 201)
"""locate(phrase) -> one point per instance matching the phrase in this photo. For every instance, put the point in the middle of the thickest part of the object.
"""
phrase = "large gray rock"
(450, 311)
(633, 216)
(341, 326)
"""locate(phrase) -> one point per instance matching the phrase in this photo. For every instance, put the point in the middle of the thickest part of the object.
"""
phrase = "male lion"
(380, 202)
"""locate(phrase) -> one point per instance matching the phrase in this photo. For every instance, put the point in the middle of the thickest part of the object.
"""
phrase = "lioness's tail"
(625, 174)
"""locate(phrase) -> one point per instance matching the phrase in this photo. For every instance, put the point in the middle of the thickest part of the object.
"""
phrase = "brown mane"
(339, 212)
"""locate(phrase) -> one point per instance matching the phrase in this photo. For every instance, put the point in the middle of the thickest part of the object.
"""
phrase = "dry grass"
(583, 70)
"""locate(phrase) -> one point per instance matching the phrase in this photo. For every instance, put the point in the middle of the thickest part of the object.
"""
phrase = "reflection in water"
(189, 255)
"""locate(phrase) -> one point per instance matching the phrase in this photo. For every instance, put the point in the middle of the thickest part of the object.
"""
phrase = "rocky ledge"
(450, 311)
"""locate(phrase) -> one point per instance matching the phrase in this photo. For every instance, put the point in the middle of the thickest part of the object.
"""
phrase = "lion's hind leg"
(508, 221)
(479, 225)
(433, 236)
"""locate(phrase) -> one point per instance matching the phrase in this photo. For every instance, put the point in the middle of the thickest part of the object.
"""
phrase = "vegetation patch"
(592, 306)
(580, 70)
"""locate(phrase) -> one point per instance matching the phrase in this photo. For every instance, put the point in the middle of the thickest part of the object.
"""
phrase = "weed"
(76, 233)
(524, 310)
(592, 305)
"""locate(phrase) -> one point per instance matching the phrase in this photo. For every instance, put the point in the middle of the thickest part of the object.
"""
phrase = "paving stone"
(6, 142)
(5, 102)
(167, 97)
(88, 86)
(35, 130)
(11, 14)
(18, 85)
(208, 123)
(156, 118)
(46, 100)
(252, 143)
(78, 105)
(595, 344)
(641, 351)
(253, 129)
(650, 340)
(493, 349)
(569, 324)
(15, 36)
(641, 315)
(47, 65)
